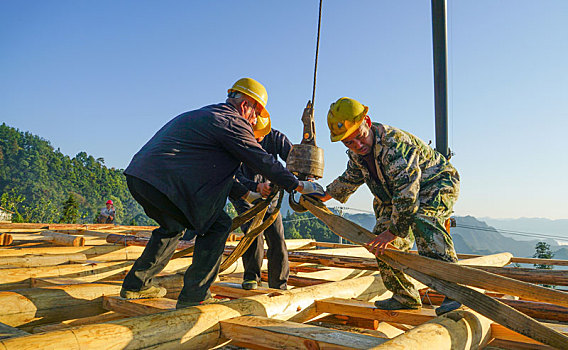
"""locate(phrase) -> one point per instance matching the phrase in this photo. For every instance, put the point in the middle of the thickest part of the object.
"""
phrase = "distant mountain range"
(473, 236)
(528, 228)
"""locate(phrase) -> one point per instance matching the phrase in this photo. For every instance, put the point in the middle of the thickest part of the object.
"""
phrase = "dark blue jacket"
(194, 157)
(276, 144)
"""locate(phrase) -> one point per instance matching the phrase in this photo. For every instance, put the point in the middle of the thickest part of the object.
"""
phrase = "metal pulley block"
(305, 160)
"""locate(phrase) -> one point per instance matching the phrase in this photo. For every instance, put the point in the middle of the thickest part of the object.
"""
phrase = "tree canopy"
(38, 182)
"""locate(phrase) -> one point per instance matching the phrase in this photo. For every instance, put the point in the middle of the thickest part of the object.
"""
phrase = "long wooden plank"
(234, 290)
(491, 308)
(41, 260)
(363, 309)
(520, 260)
(437, 268)
(138, 307)
(63, 239)
(262, 332)
(444, 277)
(534, 309)
(551, 277)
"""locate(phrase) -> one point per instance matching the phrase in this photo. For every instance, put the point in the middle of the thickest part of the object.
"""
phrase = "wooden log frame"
(256, 331)
(197, 327)
(553, 277)
(443, 277)
(37, 306)
(17, 278)
(361, 309)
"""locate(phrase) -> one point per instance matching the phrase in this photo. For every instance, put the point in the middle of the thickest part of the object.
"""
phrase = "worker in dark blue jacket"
(278, 145)
(182, 177)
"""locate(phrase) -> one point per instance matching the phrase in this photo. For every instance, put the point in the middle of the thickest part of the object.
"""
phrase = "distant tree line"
(40, 184)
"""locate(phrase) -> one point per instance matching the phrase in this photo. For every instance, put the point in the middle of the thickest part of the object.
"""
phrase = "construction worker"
(182, 177)
(277, 144)
(414, 190)
(107, 213)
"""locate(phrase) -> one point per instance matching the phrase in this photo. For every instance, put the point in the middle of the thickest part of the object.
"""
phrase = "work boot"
(183, 304)
(152, 292)
(393, 304)
(447, 306)
(249, 284)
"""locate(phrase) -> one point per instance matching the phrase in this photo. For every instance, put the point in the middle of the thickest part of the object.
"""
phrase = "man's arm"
(251, 185)
(238, 139)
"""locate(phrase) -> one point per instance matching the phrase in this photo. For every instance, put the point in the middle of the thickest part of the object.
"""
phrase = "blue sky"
(104, 76)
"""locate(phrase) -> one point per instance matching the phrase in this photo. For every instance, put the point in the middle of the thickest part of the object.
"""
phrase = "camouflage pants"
(432, 241)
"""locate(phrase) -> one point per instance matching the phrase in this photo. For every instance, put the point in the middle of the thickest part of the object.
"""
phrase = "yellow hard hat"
(344, 117)
(253, 89)
(262, 127)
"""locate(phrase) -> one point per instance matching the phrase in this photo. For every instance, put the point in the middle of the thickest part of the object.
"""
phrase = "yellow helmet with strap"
(344, 117)
(253, 89)
(262, 127)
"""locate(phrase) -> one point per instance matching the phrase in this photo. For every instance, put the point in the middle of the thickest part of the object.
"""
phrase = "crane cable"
(317, 52)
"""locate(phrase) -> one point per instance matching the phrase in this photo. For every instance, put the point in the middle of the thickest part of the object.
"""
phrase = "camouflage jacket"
(411, 176)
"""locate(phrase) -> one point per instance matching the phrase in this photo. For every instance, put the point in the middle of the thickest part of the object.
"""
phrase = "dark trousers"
(162, 245)
(277, 255)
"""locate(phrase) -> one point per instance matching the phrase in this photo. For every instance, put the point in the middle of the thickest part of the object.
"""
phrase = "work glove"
(252, 196)
(312, 189)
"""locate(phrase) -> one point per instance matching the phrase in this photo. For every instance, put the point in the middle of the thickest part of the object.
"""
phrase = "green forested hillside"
(36, 180)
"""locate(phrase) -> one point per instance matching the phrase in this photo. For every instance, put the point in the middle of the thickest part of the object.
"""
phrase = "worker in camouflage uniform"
(414, 186)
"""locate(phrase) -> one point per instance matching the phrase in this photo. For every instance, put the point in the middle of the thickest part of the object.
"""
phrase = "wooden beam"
(7, 332)
(487, 306)
(541, 311)
(511, 345)
(234, 290)
(359, 322)
(265, 333)
(444, 277)
(41, 260)
(137, 307)
(5, 239)
(197, 327)
(17, 278)
(357, 308)
(37, 306)
(104, 317)
(455, 330)
(523, 260)
(552, 277)
(119, 252)
(63, 239)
